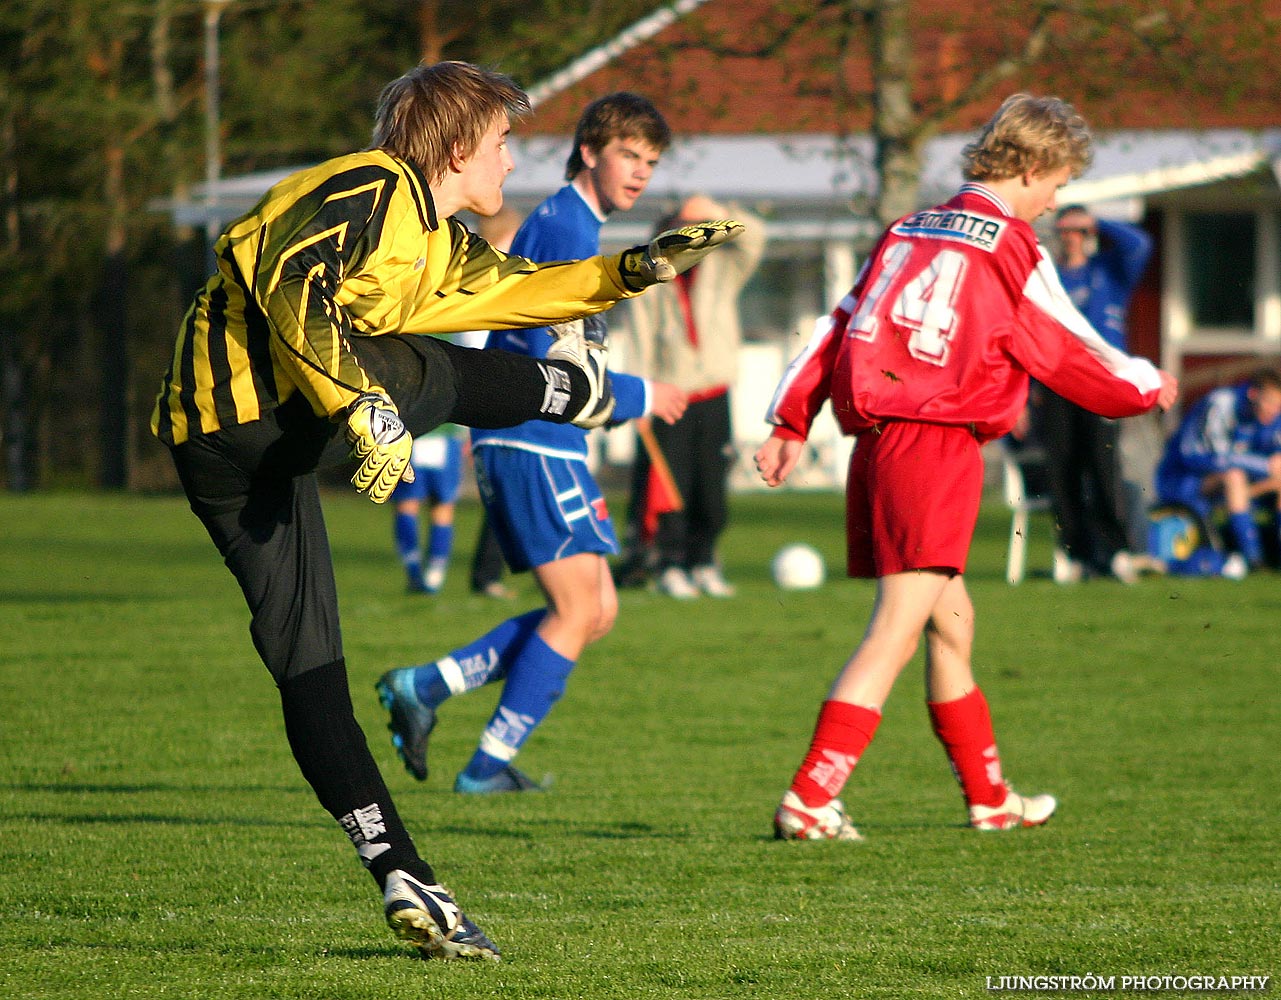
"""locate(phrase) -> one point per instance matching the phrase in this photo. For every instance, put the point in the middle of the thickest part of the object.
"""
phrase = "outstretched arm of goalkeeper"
(674, 252)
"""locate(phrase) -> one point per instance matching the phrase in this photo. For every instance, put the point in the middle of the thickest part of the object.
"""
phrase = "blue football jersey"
(563, 227)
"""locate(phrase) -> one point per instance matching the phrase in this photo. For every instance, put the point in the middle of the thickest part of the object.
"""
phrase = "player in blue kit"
(437, 459)
(541, 499)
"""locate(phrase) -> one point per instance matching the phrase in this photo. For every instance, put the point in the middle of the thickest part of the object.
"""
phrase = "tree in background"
(102, 119)
(905, 71)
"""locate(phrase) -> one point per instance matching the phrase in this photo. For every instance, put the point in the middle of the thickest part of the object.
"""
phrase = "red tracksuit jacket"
(955, 307)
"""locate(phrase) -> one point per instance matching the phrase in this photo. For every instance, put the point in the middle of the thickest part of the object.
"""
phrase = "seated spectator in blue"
(1227, 450)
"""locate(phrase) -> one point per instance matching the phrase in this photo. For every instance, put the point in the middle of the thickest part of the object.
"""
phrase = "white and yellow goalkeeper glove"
(674, 252)
(379, 439)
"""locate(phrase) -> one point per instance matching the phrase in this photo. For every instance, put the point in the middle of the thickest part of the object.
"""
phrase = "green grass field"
(157, 840)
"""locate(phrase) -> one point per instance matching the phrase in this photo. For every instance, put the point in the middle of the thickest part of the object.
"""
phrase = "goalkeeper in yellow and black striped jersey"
(306, 349)
(348, 249)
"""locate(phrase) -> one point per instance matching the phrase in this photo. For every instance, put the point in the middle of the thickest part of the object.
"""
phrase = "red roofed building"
(1199, 166)
(699, 70)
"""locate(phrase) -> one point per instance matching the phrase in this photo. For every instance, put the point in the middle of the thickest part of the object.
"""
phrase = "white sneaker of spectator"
(1066, 569)
(711, 581)
(1122, 567)
(1235, 567)
(675, 582)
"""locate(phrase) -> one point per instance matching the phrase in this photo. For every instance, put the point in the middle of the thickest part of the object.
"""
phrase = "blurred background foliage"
(102, 118)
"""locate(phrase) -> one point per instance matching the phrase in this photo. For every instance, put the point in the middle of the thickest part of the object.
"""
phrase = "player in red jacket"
(927, 358)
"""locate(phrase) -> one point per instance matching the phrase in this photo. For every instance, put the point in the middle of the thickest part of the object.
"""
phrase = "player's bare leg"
(810, 809)
(904, 604)
(962, 722)
(582, 603)
(1236, 490)
(949, 642)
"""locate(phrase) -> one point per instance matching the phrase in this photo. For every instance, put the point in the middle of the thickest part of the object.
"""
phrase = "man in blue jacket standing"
(1100, 262)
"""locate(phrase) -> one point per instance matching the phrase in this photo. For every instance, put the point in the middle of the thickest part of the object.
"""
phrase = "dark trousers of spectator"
(699, 448)
(487, 565)
(1083, 463)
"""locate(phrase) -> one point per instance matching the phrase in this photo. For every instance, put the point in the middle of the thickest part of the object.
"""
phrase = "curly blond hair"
(1028, 135)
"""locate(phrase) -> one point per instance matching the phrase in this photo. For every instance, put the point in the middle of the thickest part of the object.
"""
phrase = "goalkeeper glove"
(378, 438)
(674, 252)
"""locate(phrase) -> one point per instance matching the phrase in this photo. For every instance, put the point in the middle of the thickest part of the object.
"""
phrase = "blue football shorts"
(542, 508)
(438, 470)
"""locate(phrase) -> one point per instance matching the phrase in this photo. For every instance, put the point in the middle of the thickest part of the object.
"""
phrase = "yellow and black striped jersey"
(348, 248)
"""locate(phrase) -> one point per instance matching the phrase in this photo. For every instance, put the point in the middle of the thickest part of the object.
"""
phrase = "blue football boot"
(411, 721)
(509, 779)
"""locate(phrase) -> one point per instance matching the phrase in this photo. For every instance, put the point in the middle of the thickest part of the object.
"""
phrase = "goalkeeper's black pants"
(254, 488)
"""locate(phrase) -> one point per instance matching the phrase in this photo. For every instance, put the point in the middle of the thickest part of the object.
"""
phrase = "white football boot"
(427, 916)
(582, 342)
(1015, 812)
(794, 820)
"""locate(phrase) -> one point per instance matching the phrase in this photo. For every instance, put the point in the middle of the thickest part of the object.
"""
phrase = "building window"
(1221, 248)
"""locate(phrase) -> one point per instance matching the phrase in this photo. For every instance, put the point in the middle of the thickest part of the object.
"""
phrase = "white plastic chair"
(1021, 503)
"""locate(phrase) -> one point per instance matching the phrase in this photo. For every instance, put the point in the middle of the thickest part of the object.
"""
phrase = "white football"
(798, 567)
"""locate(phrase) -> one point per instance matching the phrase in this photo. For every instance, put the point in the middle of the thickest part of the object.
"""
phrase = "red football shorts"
(912, 499)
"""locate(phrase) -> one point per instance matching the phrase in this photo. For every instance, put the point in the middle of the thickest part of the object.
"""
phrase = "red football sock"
(841, 735)
(964, 727)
